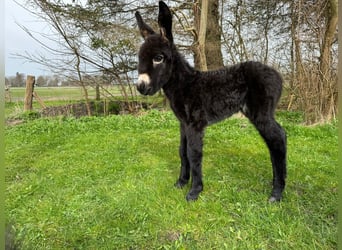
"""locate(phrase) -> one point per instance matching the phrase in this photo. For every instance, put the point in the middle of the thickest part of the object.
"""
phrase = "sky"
(19, 42)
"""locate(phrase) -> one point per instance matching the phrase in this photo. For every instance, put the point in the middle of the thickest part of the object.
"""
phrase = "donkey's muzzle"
(144, 89)
(143, 85)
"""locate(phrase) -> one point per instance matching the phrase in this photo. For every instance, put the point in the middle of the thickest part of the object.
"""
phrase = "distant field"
(61, 93)
(57, 96)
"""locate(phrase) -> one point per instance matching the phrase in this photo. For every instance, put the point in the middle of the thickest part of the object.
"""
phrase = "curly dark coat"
(199, 99)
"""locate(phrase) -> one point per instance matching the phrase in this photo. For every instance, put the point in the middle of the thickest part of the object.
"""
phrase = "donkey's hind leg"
(275, 137)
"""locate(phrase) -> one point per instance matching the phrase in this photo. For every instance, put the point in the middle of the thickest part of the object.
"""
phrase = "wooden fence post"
(8, 93)
(30, 80)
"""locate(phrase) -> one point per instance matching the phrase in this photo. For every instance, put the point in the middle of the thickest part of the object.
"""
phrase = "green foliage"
(107, 183)
(27, 115)
(97, 43)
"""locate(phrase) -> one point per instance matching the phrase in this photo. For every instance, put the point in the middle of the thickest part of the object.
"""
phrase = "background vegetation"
(98, 42)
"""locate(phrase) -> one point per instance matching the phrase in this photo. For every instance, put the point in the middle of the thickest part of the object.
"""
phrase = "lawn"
(107, 183)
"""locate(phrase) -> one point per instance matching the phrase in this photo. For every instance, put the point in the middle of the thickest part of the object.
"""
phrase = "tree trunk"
(80, 79)
(97, 91)
(328, 38)
(297, 40)
(327, 85)
(213, 37)
(207, 52)
(202, 35)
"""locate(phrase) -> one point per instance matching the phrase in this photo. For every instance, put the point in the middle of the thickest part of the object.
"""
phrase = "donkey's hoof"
(273, 199)
(180, 183)
(192, 197)
(193, 194)
(276, 195)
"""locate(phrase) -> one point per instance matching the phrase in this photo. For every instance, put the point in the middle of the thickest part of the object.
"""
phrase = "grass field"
(51, 96)
(107, 183)
(60, 93)
(57, 96)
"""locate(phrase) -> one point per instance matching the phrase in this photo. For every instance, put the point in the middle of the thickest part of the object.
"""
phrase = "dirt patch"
(172, 236)
(77, 110)
(13, 122)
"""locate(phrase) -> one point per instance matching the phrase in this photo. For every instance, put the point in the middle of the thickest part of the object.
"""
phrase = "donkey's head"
(155, 55)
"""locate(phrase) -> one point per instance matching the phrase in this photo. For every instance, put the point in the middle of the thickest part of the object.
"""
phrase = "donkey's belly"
(214, 117)
(223, 105)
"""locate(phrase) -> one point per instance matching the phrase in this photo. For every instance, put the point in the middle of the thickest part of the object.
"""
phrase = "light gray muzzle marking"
(143, 79)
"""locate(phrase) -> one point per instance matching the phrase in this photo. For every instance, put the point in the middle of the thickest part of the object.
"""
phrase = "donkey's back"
(241, 87)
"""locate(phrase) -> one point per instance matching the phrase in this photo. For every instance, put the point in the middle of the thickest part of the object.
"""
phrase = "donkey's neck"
(183, 75)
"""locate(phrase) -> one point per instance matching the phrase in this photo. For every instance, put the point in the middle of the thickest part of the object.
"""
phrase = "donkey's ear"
(145, 30)
(165, 21)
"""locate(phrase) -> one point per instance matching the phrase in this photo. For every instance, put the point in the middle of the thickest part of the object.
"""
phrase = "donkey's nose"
(143, 84)
(143, 89)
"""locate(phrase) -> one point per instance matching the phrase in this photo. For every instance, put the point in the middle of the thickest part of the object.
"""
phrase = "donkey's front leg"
(184, 175)
(194, 152)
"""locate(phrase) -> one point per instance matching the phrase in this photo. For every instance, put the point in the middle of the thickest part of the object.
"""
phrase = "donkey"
(199, 99)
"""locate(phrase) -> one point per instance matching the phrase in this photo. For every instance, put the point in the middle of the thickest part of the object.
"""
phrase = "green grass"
(107, 183)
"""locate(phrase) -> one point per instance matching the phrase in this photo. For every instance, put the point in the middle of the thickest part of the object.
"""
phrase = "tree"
(327, 82)
(201, 31)
(99, 38)
(41, 81)
(92, 40)
(314, 81)
(213, 37)
(207, 53)
(328, 38)
(296, 37)
(19, 80)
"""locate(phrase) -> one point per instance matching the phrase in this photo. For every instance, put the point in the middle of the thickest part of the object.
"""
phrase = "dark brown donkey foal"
(199, 99)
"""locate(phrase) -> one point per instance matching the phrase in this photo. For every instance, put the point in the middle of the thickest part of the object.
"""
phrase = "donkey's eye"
(157, 59)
